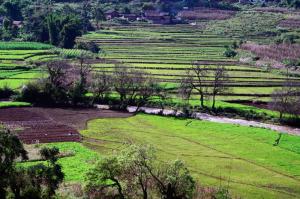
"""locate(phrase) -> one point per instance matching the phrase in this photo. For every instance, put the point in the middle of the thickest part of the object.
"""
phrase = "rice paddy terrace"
(167, 51)
(16, 62)
(20, 61)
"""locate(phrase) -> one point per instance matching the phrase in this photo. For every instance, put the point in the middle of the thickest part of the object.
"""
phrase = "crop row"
(24, 46)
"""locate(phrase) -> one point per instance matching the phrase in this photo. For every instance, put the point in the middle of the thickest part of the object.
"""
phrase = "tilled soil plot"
(44, 125)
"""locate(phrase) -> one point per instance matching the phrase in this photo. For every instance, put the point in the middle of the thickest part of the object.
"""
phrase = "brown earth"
(44, 125)
(290, 23)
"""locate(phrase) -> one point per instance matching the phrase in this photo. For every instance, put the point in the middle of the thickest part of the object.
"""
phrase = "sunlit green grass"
(14, 83)
(75, 166)
(8, 104)
(243, 158)
(24, 46)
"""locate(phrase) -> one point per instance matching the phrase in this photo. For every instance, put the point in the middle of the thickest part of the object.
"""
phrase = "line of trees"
(68, 84)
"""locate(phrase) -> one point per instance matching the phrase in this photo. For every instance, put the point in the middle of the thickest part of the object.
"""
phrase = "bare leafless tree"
(58, 73)
(101, 85)
(81, 72)
(220, 78)
(125, 84)
(286, 100)
(198, 78)
(163, 96)
(186, 87)
(148, 88)
(132, 86)
(80, 76)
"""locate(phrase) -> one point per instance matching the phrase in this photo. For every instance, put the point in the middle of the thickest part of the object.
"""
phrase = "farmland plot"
(242, 158)
(44, 125)
(16, 62)
(167, 51)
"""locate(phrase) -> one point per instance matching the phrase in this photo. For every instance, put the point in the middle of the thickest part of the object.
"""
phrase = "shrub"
(71, 53)
(229, 52)
(89, 46)
(287, 39)
(6, 92)
(32, 93)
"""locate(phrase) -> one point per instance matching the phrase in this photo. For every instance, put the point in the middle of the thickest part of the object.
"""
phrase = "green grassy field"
(17, 62)
(242, 158)
(74, 166)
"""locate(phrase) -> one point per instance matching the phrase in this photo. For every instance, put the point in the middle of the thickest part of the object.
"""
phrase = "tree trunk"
(120, 190)
(2, 193)
(145, 194)
(202, 100)
(214, 102)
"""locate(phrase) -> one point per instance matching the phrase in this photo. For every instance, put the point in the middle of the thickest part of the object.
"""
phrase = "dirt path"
(225, 120)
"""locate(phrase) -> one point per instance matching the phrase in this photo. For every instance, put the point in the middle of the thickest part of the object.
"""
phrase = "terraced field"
(16, 62)
(167, 51)
(19, 61)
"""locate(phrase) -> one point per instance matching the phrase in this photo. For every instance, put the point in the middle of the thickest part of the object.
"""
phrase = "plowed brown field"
(43, 125)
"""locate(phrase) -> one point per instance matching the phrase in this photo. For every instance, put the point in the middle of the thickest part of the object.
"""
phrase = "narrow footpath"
(219, 119)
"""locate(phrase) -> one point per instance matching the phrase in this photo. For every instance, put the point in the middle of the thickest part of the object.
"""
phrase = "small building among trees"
(17, 24)
(111, 14)
(157, 17)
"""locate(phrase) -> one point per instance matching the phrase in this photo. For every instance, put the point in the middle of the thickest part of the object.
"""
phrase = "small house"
(17, 24)
(157, 17)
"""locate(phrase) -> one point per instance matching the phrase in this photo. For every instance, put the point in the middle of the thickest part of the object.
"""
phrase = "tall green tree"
(53, 29)
(11, 149)
(71, 28)
(12, 10)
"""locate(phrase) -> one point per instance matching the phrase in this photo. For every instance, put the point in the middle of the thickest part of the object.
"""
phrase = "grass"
(24, 46)
(248, 24)
(7, 104)
(75, 166)
(243, 158)
(17, 62)
(71, 53)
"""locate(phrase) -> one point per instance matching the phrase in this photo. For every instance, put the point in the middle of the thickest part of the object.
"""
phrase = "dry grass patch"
(278, 52)
(206, 14)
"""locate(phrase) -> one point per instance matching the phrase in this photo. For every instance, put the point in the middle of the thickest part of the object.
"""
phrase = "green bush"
(6, 92)
(229, 52)
(287, 39)
(89, 46)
